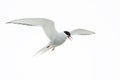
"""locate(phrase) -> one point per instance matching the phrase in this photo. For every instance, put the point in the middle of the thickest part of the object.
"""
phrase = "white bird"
(56, 38)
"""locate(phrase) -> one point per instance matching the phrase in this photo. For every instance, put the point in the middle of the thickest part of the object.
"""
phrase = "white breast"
(59, 39)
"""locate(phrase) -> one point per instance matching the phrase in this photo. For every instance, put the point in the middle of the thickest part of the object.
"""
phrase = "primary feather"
(81, 32)
(47, 25)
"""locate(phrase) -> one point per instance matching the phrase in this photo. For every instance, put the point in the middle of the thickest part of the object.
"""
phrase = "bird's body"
(56, 38)
(59, 39)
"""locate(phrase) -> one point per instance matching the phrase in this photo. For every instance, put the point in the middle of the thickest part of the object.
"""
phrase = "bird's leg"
(48, 46)
(53, 49)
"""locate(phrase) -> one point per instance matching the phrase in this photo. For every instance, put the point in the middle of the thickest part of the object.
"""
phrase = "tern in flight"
(56, 38)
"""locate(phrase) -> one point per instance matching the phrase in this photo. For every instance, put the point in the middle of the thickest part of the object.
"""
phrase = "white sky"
(94, 57)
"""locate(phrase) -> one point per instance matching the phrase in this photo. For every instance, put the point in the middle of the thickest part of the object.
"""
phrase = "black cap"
(67, 33)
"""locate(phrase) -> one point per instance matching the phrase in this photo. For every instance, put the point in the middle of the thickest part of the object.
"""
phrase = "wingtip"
(8, 22)
(93, 33)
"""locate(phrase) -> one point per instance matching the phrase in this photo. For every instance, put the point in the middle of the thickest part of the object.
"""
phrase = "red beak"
(69, 37)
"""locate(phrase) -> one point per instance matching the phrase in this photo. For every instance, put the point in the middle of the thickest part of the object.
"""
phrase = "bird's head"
(68, 34)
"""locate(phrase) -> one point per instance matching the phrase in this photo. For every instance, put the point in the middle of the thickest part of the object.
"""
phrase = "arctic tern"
(56, 38)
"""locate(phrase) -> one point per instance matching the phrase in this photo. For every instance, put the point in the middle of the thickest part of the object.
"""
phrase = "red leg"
(53, 49)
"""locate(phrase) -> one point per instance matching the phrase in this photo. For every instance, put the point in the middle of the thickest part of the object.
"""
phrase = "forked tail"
(43, 50)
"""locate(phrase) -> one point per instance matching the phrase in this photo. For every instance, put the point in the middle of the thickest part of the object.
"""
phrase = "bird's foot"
(53, 49)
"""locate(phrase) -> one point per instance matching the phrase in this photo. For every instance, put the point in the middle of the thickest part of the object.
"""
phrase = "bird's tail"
(43, 50)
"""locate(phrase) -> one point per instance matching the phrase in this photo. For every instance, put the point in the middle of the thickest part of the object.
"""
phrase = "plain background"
(94, 57)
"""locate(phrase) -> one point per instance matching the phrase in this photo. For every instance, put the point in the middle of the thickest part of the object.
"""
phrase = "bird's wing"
(47, 25)
(81, 32)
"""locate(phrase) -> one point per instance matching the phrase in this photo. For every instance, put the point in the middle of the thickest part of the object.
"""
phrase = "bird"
(55, 38)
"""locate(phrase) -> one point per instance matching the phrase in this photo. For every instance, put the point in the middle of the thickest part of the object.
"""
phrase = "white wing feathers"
(81, 32)
(47, 25)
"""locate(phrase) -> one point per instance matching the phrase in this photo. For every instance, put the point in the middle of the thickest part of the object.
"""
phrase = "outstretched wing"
(81, 32)
(47, 25)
